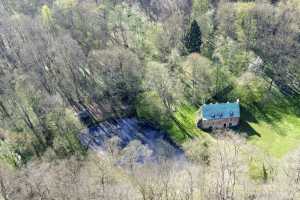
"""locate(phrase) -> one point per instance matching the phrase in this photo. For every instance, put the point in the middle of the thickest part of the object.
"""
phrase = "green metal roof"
(220, 111)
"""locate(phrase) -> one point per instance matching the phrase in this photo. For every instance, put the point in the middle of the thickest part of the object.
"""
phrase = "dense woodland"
(157, 61)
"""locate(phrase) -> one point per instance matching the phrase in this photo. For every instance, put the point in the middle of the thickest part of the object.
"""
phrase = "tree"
(133, 153)
(276, 42)
(199, 71)
(150, 108)
(120, 72)
(5, 181)
(165, 83)
(193, 38)
(47, 17)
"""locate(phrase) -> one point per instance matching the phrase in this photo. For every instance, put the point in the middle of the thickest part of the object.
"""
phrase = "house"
(219, 115)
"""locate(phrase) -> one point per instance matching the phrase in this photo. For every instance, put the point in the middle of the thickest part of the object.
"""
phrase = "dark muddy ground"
(129, 130)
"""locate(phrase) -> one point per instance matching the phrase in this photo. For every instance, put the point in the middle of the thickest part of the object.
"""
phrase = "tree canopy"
(193, 38)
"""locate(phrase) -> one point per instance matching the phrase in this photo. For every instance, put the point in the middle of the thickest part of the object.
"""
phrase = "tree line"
(211, 172)
(57, 55)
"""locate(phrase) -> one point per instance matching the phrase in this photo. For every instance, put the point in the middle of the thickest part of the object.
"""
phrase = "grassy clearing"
(183, 125)
(277, 138)
(276, 125)
(273, 126)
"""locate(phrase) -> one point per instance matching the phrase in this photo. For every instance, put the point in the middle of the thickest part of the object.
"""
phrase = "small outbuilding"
(219, 115)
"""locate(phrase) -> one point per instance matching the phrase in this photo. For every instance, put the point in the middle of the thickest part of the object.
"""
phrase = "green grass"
(183, 124)
(273, 126)
(276, 124)
(277, 138)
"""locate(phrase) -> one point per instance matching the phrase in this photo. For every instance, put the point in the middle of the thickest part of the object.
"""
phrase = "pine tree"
(192, 39)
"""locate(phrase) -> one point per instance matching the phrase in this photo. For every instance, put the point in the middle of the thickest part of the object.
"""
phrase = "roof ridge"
(221, 110)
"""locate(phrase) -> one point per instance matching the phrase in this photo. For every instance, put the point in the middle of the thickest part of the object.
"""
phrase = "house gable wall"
(220, 123)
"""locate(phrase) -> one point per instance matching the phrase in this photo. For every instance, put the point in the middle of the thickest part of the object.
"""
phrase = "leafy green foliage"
(8, 155)
(151, 108)
(65, 4)
(232, 55)
(249, 88)
(199, 78)
(47, 16)
(260, 170)
(200, 7)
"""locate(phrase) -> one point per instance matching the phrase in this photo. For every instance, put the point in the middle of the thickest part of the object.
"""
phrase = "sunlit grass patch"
(183, 124)
(278, 137)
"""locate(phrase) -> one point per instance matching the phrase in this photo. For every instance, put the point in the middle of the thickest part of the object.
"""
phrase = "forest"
(71, 66)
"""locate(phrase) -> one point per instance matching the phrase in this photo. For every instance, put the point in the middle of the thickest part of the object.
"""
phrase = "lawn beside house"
(277, 124)
(277, 138)
(274, 127)
(183, 124)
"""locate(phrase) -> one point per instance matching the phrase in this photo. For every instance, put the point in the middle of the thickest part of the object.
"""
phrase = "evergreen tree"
(192, 39)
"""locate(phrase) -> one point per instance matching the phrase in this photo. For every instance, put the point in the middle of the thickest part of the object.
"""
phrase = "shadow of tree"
(182, 128)
(272, 118)
(275, 107)
(244, 127)
(246, 115)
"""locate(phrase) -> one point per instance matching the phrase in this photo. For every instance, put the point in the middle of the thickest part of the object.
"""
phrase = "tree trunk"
(3, 189)
(4, 110)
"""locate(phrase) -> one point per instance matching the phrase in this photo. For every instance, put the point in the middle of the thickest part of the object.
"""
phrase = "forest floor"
(273, 126)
